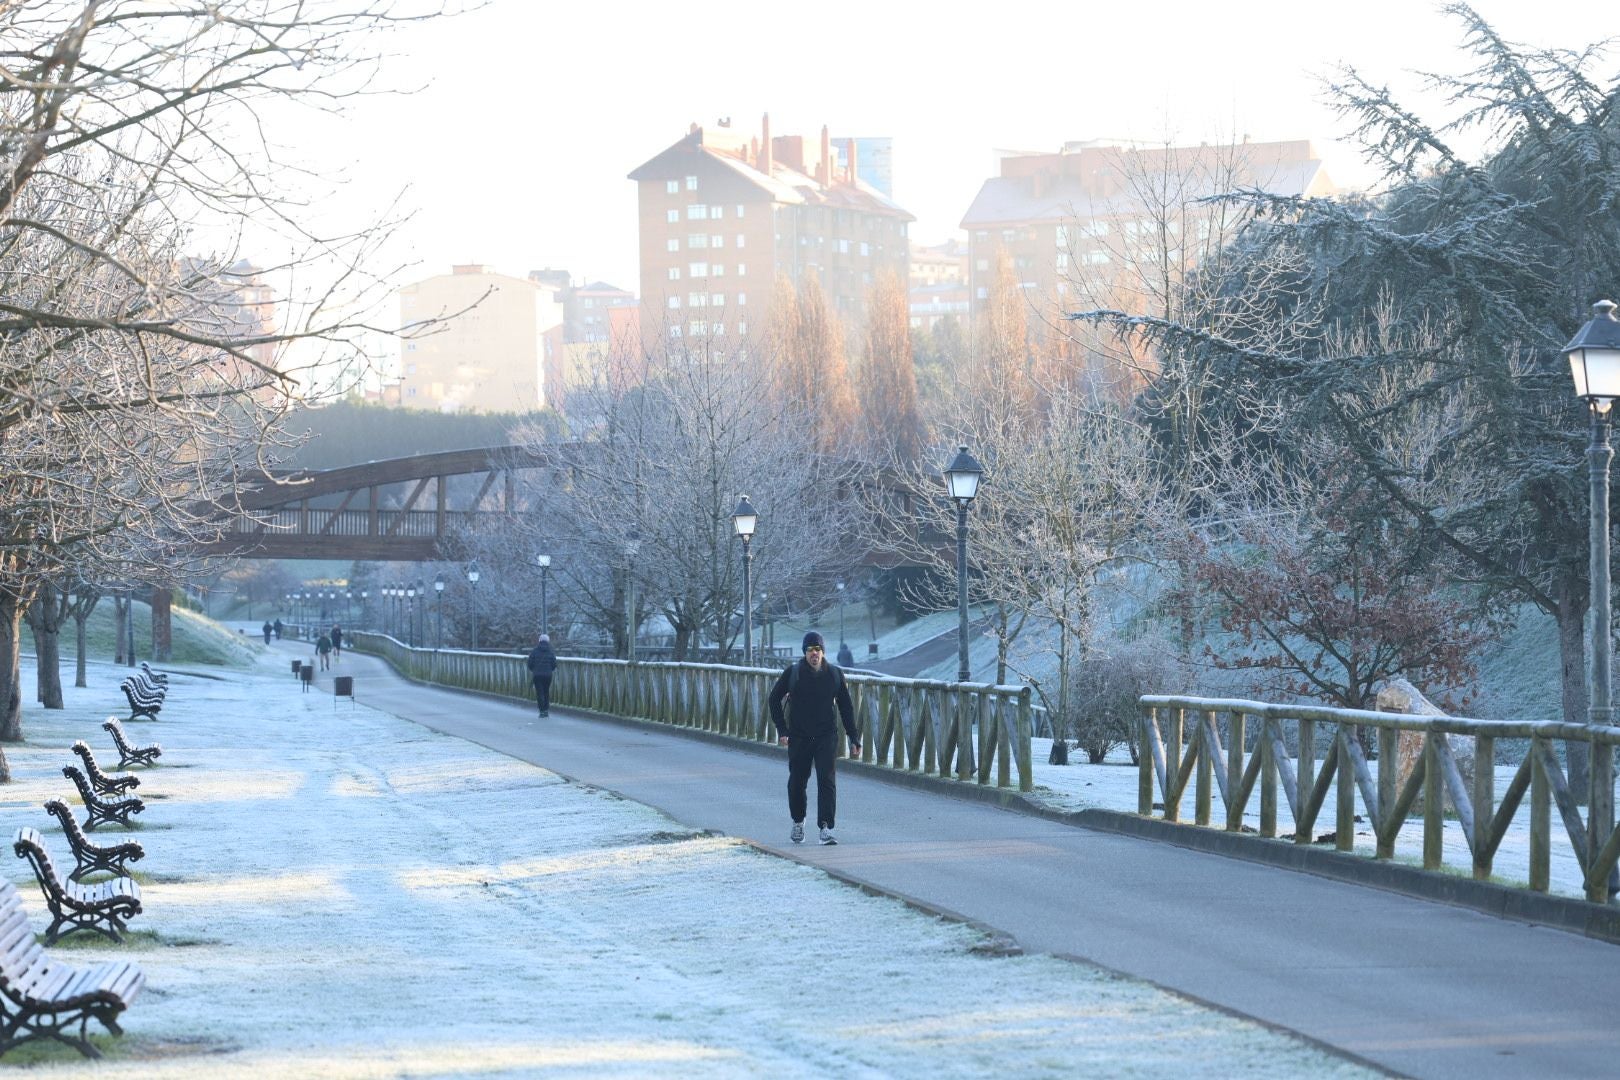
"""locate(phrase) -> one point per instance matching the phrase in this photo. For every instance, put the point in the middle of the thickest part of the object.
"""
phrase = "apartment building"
(723, 215)
(1096, 208)
(490, 353)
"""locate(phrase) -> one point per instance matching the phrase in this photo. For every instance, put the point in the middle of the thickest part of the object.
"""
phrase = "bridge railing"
(1237, 747)
(972, 732)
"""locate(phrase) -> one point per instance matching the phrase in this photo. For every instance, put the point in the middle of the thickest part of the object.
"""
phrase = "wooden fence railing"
(972, 732)
(1181, 742)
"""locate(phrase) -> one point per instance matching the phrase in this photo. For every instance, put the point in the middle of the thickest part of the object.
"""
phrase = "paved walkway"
(1419, 988)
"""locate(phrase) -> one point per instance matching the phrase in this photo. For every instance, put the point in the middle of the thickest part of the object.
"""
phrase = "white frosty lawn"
(1113, 786)
(340, 893)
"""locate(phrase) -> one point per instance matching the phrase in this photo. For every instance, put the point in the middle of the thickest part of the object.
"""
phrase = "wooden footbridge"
(398, 510)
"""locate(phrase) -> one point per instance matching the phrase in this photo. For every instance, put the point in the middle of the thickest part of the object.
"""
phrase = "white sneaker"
(797, 835)
(827, 837)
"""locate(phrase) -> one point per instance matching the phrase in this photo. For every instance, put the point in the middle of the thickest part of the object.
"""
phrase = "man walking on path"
(542, 665)
(323, 648)
(337, 642)
(267, 630)
(815, 688)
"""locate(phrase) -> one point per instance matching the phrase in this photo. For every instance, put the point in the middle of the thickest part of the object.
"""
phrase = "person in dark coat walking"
(815, 689)
(267, 631)
(276, 626)
(337, 642)
(542, 665)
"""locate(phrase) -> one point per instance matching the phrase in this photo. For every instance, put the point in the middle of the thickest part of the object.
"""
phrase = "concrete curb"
(1601, 922)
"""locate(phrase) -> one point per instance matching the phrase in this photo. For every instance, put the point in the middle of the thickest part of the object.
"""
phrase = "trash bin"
(306, 674)
(296, 665)
(342, 686)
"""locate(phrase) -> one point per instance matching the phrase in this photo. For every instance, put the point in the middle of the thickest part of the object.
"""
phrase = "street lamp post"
(1594, 361)
(410, 615)
(364, 618)
(472, 580)
(632, 548)
(438, 592)
(764, 623)
(743, 520)
(841, 619)
(348, 603)
(544, 562)
(962, 479)
(421, 613)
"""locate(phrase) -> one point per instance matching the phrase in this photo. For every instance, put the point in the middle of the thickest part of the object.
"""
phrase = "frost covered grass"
(334, 892)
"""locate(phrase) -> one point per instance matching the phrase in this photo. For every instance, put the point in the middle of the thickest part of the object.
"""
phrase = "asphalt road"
(1416, 987)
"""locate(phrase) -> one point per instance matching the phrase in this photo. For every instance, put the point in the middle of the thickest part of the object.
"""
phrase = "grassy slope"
(195, 639)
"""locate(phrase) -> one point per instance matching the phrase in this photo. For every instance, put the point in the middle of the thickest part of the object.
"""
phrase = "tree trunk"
(120, 644)
(1572, 663)
(10, 670)
(78, 641)
(45, 620)
(162, 601)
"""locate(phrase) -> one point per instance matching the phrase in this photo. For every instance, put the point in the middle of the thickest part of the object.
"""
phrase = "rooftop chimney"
(765, 162)
(850, 146)
(824, 170)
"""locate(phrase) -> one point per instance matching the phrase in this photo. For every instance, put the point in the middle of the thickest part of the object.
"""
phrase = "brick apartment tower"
(723, 215)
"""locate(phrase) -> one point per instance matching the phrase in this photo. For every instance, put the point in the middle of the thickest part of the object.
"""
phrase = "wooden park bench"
(139, 704)
(44, 998)
(127, 754)
(101, 811)
(156, 678)
(104, 784)
(148, 689)
(103, 907)
(90, 856)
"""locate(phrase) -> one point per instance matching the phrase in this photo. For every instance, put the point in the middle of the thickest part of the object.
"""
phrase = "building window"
(717, 241)
(981, 264)
(739, 209)
(696, 299)
(697, 240)
(697, 212)
(672, 216)
(982, 234)
(1007, 235)
(696, 329)
(675, 303)
(740, 239)
(691, 183)
(674, 273)
(674, 244)
(1063, 260)
(697, 270)
(1097, 258)
(865, 248)
(742, 269)
(843, 247)
(742, 299)
(717, 270)
(983, 292)
(675, 331)
(742, 328)
(717, 212)
(717, 299)
(672, 187)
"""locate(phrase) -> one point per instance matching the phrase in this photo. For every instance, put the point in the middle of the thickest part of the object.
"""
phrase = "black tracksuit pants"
(542, 691)
(820, 751)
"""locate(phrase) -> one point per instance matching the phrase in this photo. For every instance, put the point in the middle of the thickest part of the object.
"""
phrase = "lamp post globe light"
(962, 477)
(743, 521)
(544, 562)
(438, 592)
(1594, 363)
(472, 581)
(632, 548)
(364, 595)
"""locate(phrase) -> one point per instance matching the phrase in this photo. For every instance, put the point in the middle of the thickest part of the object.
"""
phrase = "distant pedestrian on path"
(542, 665)
(267, 631)
(845, 657)
(277, 627)
(337, 642)
(323, 649)
(814, 688)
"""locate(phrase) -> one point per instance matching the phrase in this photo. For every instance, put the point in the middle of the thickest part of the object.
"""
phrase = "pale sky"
(515, 154)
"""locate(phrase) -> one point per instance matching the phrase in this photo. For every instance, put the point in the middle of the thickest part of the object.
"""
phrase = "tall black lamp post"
(962, 478)
(365, 617)
(410, 615)
(632, 548)
(1594, 361)
(544, 562)
(841, 646)
(472, 582)
(438, 593)
(743, 520)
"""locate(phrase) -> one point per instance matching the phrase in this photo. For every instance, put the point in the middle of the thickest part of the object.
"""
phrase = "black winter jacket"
(542, 661)
(814, 697)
